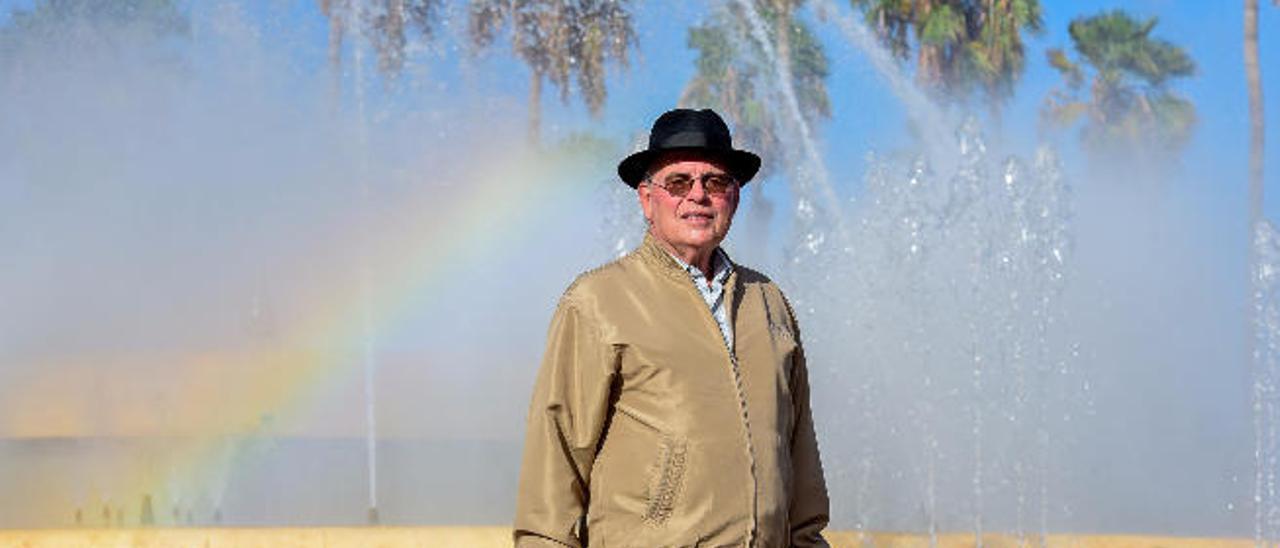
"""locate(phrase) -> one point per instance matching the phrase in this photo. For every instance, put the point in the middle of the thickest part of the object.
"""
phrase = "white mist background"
(209, 199)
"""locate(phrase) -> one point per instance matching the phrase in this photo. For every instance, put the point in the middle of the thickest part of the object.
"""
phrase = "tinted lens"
(678, 185)
(717, 184)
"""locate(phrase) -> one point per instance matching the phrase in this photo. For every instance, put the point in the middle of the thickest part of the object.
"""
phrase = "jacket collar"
(652, 253)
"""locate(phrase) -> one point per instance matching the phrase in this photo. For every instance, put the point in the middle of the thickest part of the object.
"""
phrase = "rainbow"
(438, 233)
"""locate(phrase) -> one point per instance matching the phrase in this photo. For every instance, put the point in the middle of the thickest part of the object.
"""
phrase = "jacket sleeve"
(809, 505)
(569, 408)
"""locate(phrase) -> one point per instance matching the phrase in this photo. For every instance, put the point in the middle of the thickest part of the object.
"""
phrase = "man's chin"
(702, 240)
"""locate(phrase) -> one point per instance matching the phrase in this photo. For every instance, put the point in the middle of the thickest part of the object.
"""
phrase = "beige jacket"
(646, 424)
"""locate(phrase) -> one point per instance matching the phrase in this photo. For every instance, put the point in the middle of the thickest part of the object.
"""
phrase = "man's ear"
(642, 194)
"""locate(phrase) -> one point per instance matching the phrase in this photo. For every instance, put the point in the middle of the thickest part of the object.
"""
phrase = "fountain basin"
(484, 537)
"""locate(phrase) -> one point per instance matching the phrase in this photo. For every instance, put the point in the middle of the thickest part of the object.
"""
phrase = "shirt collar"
(653, 253)
(721, 266)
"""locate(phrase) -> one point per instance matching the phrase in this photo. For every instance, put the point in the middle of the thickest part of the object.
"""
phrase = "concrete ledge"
(486, 537)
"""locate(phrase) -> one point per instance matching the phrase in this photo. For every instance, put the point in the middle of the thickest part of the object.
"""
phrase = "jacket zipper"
(742, 399)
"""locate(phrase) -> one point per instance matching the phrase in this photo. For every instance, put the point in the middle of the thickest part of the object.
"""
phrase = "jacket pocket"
(666, 479)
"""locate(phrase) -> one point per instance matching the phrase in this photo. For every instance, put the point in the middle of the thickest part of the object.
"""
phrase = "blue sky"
(444, 77)
(865, 115)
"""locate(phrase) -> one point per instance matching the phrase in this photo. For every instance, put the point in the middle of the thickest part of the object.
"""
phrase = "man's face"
(698, 221)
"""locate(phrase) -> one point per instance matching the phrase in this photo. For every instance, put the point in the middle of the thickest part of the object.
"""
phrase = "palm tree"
(781, 14)
(997, 52)
(45, 23)
(562, 42)
(729, 69)
(961, 46)
(385, 23)
(335, 11)
(1128, 107)
(893, 21)
(900, 24)
(161, 16)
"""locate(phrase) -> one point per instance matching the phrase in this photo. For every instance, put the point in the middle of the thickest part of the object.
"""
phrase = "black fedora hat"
(690, 130)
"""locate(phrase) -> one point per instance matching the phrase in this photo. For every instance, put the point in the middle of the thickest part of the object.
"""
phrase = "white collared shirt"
(713, 291)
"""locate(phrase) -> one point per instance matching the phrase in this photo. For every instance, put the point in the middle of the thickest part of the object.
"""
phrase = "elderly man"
(672, 406)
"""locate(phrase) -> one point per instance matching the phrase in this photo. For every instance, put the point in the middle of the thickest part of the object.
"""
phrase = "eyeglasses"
(679, 184)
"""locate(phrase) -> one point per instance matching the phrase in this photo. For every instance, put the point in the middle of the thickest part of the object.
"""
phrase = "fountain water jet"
(958, 213)
(354, 17)
(920, 110)
(808, 169)
(1266, 372)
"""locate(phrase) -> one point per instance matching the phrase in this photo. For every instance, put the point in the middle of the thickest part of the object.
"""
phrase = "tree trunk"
(535, 107)
(1256, 128)
(782, 45)
(990, 25)
(395, 37)
(337, 14)
(395, 14)
(927, 67)
(731, 95)
(782, 36)
(1001, 17)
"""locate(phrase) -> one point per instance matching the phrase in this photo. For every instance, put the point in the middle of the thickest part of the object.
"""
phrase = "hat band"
(690, 139)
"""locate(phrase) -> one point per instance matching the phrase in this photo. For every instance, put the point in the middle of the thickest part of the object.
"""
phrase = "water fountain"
(951, 376)
(999, 236)
(1266, 361)
(354, 15)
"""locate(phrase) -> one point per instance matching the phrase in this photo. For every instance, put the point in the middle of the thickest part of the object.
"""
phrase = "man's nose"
(698, 191)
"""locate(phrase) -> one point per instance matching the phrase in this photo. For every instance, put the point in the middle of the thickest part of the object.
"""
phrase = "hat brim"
(741, 164)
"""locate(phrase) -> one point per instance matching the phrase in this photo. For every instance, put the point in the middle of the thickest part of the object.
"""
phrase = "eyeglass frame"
(691, 181)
